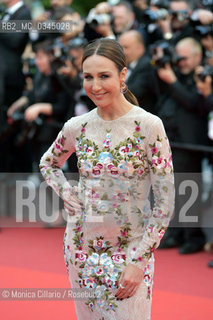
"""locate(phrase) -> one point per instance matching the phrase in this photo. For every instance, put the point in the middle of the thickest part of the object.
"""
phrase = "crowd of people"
(169, 52)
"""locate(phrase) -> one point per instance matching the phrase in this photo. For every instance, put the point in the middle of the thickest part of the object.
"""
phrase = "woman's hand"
(130, 279)
(73, 206)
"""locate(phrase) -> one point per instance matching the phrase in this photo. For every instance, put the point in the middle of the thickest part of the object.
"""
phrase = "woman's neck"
(114, 111)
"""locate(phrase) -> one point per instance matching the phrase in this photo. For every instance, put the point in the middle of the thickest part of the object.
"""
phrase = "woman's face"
(102, 81)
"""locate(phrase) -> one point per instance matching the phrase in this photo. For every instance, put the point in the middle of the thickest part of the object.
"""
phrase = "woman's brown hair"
(112, 50)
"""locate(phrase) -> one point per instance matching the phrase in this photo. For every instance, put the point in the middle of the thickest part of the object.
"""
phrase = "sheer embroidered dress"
(118, 162)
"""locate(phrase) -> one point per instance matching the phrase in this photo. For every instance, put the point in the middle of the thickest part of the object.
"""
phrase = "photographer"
(185, 18)
(59, 11)
(124, 19)
(75, 20)
(46, 105)
(12, 46)
(204, 74)
(70, 77)
(178, 108)
(99, 22)
(140, 76)
(180, 20)
(204, 83)
(157, 20)
(206, 38)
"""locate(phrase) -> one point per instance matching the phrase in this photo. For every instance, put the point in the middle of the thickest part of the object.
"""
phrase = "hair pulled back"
(112, 50)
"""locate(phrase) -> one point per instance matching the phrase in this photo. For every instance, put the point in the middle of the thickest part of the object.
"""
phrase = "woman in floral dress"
(112, 231)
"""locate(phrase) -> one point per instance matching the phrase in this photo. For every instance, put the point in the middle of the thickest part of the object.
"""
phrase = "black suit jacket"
(142, 84)
(179, 108)
(12, 46)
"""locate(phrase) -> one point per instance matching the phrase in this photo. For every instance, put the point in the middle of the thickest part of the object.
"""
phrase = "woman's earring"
(124, 87)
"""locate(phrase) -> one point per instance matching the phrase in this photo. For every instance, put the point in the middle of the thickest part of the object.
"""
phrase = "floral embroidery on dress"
(128, 158)
(67, 253)
(57, 151)
(100, 270)
(158, 160)
(148, 279)
(110, 182)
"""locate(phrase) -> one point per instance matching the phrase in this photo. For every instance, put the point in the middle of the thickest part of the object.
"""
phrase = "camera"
(28, 129)
(29, 67)
(59, 52)
(94, 20)
(162, 53)
(150, 16)
(202, 31)
(206, 4)
(207, 71)
(100, 19)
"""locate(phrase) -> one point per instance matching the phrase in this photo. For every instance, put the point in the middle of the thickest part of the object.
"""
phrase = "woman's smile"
(99, 96)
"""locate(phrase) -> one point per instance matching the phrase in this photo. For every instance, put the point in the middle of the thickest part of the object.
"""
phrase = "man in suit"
(140, 75)
(12, 46)
(178, 107)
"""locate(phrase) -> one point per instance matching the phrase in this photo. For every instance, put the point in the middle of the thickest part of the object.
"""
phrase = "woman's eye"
(104, 76)
(87, 77)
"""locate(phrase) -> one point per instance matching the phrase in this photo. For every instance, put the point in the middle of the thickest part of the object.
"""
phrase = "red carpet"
(33, 258)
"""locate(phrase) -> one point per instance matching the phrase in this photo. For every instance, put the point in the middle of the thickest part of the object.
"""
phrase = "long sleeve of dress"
(53, 160)
(162, 182)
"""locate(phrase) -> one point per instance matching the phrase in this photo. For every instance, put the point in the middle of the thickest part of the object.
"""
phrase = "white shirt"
(12, 10)
(131, 66)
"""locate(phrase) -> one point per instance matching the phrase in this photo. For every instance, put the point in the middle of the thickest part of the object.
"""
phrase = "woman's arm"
(162, 181)
(52, 162)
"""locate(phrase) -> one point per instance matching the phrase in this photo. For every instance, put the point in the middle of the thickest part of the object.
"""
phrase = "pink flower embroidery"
(154, 150)
(140, 171)
(100, 244)
(96, 171)
(99, 165)
(62, 141)
(57, 146)
(81, 256)
(118, 257)
(124, 233)
(110, 166)
(137, 128)
(114, 171)
(161, 233)
(150, 229)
